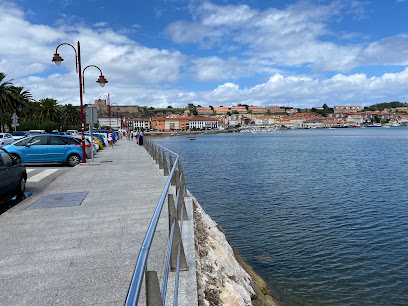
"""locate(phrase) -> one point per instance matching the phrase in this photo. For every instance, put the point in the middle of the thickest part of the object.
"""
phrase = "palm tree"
(71, 115)
(7, 101)
(49, 110)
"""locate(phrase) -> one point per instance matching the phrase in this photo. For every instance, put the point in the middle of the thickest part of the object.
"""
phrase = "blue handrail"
(138, 274)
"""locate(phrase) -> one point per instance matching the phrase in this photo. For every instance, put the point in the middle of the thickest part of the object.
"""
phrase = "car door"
(57, 149)
(5, 175)
(36, 150)
(8, 138)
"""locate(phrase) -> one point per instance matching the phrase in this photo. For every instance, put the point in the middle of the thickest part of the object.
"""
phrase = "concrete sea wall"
(223, 277)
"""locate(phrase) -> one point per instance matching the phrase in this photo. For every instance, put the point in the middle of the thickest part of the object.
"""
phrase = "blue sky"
(175, 52)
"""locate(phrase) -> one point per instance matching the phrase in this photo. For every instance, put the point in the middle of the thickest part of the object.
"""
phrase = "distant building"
(347, 108)
(199, 122)
(239, 109)
(114, 123)
(123, 110)
(136, 123)
(204, 110)
(221, 110)
(170, 124)
(275, 109)
(257, 109)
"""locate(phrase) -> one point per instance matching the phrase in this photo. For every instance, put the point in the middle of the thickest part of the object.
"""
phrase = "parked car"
(73, 132)
(19, 134)
(13, 175)
(36, 132)
(47, 148)
(5, 138)
(88, 145)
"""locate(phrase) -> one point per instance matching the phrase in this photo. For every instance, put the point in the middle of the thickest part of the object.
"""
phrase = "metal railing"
(175, 259)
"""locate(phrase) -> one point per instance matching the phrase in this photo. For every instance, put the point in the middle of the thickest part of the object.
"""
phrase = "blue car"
(47, 148)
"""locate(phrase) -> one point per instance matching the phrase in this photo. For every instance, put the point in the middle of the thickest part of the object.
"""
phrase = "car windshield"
(1, 136)
(35, 133)
(18, 134)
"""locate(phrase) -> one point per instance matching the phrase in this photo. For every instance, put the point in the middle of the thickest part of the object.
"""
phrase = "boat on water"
(192, 138)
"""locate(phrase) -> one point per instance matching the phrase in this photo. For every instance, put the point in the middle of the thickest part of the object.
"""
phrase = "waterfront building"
(204, 110)
(170, 124)
(136, 123)
(199, 122)
(264, 120)
(357, 119)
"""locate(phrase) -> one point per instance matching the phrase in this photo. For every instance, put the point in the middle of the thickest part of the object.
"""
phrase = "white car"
(5, 139)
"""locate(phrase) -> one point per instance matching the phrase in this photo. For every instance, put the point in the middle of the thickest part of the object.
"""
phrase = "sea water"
(321, 215)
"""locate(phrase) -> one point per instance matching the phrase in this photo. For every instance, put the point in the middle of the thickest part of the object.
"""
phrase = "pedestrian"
(128, 135)
(141, 138)
(110, 139)
(137, 136)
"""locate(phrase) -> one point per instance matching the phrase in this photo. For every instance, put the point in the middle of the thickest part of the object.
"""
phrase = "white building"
(199, 122)
(114, 122)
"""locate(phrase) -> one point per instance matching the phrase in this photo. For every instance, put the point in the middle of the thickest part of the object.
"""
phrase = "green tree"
(8, 101)
(50, 110)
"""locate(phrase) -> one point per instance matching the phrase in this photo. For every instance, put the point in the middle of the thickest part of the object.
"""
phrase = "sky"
(220, 53)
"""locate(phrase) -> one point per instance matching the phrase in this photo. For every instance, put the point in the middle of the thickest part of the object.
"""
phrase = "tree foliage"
(385, 105)
(34, 114)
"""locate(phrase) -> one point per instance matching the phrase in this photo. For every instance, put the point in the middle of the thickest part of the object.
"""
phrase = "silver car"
(5, 139)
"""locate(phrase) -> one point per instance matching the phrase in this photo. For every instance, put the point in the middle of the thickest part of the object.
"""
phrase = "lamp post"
(57, 59)
(109, 109)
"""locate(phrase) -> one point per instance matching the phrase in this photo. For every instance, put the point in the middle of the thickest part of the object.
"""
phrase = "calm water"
(321, 215)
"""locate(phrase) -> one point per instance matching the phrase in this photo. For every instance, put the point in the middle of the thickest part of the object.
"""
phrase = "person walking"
(110, 139)
(141, 134)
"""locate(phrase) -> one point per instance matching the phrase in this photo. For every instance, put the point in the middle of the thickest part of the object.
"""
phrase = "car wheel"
(73, 160)
(21, 186)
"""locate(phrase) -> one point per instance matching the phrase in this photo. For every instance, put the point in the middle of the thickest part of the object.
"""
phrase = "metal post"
(81, 104)
(91, 131)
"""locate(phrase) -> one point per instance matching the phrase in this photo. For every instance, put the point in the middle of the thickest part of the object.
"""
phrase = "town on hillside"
(194, 118)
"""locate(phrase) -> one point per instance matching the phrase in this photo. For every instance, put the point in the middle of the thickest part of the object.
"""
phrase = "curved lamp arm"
(102, 81)
(58, 59)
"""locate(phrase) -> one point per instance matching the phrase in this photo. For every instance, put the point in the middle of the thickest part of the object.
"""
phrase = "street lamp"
(109, 109)
(57, 59)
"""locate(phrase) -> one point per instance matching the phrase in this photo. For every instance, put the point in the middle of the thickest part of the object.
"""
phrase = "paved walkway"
(83, 255)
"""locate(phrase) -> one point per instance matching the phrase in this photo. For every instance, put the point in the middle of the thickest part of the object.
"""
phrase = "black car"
(13, 175)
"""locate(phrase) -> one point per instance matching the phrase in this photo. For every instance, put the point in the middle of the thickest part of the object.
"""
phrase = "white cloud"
(296, 35)
(150, 76)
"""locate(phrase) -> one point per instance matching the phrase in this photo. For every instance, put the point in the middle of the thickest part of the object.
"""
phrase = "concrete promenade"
(86, 254)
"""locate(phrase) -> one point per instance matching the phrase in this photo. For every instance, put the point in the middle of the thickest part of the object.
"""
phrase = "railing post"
(172, 210)
(174, 250)
(161, 159)
(181, 206)
(157, 155)
(153, 296)
(165, 167)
